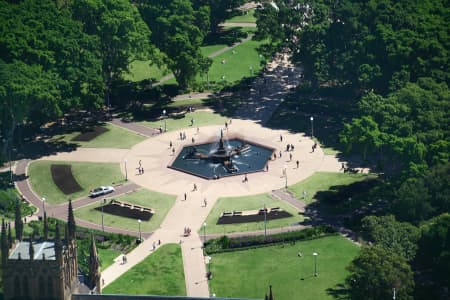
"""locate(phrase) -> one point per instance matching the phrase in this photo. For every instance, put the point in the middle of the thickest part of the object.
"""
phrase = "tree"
(175, 32)
(376, 272)
(218, 10)
(122, 34)
(434, 251)
(386, 232)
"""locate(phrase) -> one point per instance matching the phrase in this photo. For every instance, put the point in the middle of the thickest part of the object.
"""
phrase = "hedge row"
(226, 244)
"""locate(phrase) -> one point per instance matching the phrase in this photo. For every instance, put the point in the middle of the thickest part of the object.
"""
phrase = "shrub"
(226, 244)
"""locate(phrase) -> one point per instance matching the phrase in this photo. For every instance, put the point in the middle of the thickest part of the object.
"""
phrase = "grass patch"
(88, 176)
(143, 69)
(161, 203)
(201, 118)
(210, 49)
(159, 274)
(107, 257)
(323, 181)
(115, 137)
(187, 102)
(249, 273)
(248, 203)
(245, 17)
(237, 64)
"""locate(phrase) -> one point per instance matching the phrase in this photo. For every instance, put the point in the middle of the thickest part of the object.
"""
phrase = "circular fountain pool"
(223, 158)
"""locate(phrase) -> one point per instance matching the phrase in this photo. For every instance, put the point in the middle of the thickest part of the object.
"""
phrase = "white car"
(101, 191)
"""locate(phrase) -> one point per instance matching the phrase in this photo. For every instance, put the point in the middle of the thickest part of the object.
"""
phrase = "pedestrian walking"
(281, 138)
(170, 144)
(205, 203)
(185, 196)
(245, 178)
(292, 147)
(267, 168)
(193, 140)
(173, 151)
(154, 246)
(280, 153)
(195, 187)
(274, 156)
(198, 130)
(159, 242)
(140, 163)
(181, 136)
(290, 156)
(298, 163)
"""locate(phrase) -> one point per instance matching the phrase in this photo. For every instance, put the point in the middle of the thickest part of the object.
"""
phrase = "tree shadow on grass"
(340, 292)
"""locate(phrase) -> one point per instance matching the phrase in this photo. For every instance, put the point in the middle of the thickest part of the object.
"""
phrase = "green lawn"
(161, 203)
(201, 118)
(246, 17)
(208, 50)
(159, 274)
(323, 181)
(88, 176)
(107, 257)
(248, 203)
(249, 273)
(115, 137)
(237, 64)
(141, 70)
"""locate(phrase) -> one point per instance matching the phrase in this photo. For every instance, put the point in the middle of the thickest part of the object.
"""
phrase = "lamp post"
(140, 234)
(265, 222)
(204, 233)
(103, 226)
(315, 263)
(394, 293)
(43, 206)
(251, 70)
(285, 176)
(165, 120)
(312, 126)
(126, 171)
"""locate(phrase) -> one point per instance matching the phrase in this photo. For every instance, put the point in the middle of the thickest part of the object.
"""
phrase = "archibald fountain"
(222, 158)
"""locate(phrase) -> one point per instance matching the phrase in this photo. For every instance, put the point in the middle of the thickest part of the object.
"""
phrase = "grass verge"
(161, 203)
(323, 181)
(201, 118)
(159, 274)
(249, 273)
(88, 176)
(115, 137)
(248, 203)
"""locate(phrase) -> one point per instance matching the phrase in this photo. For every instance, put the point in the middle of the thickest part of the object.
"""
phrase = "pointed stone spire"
(18, 221)
(71, 222)
(270, 293)
(31, 248)
(45, 226)
(94, 266)
(58, 243)
(10, 239)
(66, 235)
(4, 244)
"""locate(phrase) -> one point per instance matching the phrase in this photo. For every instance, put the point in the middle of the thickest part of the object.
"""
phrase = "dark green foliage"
(225, 244)
(434, 251)
(376, 272)
(386, 232)
(176, 33)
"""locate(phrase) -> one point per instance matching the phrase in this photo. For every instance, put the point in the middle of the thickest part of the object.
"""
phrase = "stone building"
(41, 269)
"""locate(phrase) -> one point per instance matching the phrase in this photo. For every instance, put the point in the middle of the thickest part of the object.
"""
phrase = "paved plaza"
(155, 154)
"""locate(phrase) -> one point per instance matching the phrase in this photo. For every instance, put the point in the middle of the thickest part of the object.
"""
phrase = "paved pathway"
(135, 127)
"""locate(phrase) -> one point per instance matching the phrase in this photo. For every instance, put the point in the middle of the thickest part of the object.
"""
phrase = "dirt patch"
(64, 180)
(90, 134)
(235, 219)
(126, 211)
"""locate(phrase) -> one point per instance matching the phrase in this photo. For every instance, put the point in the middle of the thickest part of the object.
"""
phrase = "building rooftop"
(40, 248)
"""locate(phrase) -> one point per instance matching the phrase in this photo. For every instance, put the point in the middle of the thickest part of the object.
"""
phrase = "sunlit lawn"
(246, 17)
(88, 176)
(107, 257)
(323, 181)
(115, 137)
(201, 118)
(253, 202)
(208, 50)
(237, 63)
(159, 274)
(249, 273)
(161, 203)
(141, 70)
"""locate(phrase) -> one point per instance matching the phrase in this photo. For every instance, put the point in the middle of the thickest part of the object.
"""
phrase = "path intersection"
(155, 155)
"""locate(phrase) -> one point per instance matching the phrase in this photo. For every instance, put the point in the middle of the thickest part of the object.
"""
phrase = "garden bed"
(127, 210)
(64, 179)
(237, 217)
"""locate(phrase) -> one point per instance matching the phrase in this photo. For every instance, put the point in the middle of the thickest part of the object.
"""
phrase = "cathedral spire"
(18, 221)
(94, 266)
(31, 248)
(10, 239)
(4, 244)
(58, 243)
(71, 222)
(45, 226)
